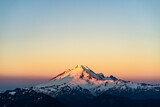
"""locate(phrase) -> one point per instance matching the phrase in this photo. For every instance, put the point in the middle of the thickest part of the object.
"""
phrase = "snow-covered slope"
(83, 79)
(80, 75)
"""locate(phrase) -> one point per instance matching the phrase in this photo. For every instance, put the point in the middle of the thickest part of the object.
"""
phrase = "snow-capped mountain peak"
(80, 75)
(82, 67)
(80, 71)
(83, 78)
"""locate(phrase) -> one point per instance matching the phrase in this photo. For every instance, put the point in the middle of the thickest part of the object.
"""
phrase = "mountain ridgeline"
(79, 87)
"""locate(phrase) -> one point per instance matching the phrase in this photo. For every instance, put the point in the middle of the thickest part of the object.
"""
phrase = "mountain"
(82, 79)
(81, 87)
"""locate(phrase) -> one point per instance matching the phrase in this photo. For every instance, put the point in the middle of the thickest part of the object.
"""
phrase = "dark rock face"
(114, 78)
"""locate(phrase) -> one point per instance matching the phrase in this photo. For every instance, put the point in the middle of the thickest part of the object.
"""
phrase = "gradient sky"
(42, 38)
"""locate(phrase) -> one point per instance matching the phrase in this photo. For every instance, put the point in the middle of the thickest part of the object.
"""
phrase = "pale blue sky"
(102, 34)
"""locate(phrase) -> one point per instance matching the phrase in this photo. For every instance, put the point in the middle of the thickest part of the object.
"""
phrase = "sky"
(42, 38)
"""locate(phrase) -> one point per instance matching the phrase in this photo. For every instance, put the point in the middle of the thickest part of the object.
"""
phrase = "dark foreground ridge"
(27, 98)
(30, 98)
(106, 100)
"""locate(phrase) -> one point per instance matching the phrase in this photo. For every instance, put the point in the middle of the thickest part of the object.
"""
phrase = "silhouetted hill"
(27, 98)
(106, 100)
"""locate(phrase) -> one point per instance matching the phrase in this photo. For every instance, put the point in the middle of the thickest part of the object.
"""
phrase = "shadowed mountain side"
(106, 100)
(27, 98)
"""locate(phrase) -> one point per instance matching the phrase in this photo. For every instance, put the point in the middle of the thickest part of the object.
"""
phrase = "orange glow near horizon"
(122, 67)
(43, 39)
